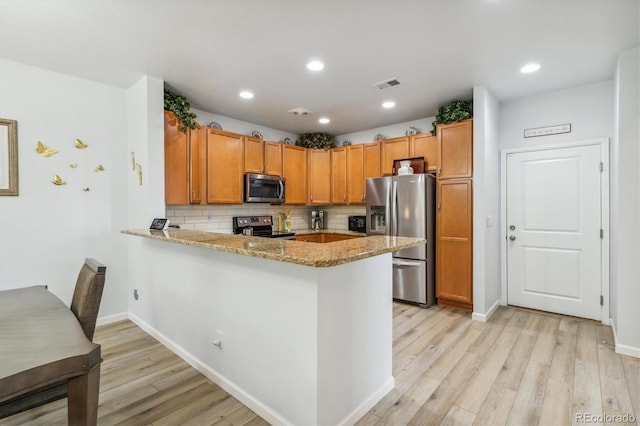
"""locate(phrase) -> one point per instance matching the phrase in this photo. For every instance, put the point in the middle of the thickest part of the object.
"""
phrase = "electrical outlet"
(218, 341)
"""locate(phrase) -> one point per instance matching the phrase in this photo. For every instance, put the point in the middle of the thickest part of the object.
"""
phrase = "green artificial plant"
(455, 111)
(179, 105)
(315, 140)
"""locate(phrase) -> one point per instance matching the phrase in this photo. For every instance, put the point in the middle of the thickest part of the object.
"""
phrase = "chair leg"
(83, 394)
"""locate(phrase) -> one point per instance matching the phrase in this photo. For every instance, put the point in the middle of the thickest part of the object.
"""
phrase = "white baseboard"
(367, 405)
(623, 349)
(234, 390)
(112, 318)
(485, 317)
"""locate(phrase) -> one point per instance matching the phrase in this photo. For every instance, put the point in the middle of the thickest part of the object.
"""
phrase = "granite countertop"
(300, 252)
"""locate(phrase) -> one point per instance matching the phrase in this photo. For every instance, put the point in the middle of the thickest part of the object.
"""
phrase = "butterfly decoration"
(80, 144)
(73, 165)
(57, 180)
(99, 169)
(46, 152)
(86, 189)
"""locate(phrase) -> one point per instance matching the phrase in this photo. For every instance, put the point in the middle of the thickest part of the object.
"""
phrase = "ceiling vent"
(300, 111)
(386, 83)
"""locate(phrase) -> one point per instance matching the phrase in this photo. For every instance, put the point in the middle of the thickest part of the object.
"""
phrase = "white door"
(553, 230)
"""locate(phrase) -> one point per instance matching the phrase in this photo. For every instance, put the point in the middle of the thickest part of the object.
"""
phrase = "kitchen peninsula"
(300, 332)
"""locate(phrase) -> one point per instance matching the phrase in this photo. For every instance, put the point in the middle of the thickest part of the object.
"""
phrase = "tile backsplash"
(217, 218)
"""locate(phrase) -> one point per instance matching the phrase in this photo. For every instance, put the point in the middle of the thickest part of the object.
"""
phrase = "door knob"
(512, 227)
(512, 238)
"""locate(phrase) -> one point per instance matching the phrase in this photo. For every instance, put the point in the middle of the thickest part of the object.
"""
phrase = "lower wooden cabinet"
(325, 238)
(454, 231)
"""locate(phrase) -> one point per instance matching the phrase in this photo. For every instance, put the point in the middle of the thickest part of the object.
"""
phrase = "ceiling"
(211, 50)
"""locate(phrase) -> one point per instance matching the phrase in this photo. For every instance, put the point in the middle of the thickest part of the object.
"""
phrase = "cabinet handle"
(438, 206)
(193, 194)
(344, 198)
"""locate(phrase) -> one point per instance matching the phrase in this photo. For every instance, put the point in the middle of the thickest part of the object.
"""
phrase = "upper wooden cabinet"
(339, 175)
(391, 150)
(225, 167)
(183, 163)
(319, 177)
(273, 158)
(355, 174)
(425, 145)
(294, 171)
(371, 163)
(456, 150)
(262, 157)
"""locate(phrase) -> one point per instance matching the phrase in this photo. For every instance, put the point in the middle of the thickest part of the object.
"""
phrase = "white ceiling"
(438, 50)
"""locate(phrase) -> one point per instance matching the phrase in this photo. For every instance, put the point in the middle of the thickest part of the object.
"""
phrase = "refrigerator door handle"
(406, 262)
(394, 209)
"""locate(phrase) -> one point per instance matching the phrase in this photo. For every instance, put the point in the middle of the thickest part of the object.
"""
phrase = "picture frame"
(417, 164)
(159, 224)
(8, 157)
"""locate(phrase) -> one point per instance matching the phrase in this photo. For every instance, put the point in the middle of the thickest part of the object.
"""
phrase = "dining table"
(43, 347)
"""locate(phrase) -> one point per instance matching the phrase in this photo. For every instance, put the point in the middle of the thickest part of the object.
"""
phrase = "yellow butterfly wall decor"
(73, 165)
(99, 169)
(46, 152)
(80, 144)
(57, 180)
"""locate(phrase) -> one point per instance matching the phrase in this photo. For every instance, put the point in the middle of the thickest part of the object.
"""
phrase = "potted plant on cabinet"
(179, 105)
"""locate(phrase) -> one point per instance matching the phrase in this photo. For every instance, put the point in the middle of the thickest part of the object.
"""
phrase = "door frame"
(603, 143)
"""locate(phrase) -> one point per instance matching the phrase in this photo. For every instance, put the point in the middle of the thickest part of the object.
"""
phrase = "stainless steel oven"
(258, 226)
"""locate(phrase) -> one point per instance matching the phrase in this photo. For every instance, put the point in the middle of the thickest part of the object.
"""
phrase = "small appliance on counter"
(258, 226)
(358, 223)
(318, 219)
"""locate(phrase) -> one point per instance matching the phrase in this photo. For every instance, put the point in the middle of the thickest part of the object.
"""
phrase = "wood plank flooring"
(520, 368)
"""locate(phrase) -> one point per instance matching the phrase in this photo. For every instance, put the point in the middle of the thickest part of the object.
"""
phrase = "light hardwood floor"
(520, 368)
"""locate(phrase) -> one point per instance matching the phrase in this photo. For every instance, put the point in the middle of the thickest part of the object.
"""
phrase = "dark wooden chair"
(84, 305)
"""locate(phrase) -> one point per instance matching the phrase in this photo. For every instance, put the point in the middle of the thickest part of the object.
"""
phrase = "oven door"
(263, 189)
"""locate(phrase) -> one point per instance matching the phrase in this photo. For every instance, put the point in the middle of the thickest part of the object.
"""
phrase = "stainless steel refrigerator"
(404, 206)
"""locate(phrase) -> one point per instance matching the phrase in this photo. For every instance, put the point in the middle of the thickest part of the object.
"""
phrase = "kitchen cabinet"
(355, 174)
(294, 170)
(319, 177)
(338, 175)
(325, 238)
(371, 163)
(455, 141)
(393, 149)
(183, 163)
(225, 167)
(262, 157)
(273, 158)
(454, 215)
(425, 145)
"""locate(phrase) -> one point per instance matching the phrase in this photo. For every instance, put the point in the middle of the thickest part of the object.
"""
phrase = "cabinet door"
(310, 238)
(456, 149)
(273, 158)
(319, 177)
(454, 243)
(338, 175)
(197, 165)
(176, 161)
(294, 171)
(371, 161)
(225, 155)
(253, 155)
(393, 149)
(425, 145)
(355, 174)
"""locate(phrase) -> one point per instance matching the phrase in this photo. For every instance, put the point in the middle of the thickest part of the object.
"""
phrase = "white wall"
(242, 127)
(486, 204)
(625, 205)
(587, 108)
(423, 125)
(47, 231)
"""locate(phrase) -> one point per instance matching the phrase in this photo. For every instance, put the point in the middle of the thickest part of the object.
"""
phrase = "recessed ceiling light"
(388, 104)
(315, 65)
(324, 120)
(245, 94)
(529, 68)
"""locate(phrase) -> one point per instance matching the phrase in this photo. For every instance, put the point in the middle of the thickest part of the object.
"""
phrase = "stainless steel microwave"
(263, 189)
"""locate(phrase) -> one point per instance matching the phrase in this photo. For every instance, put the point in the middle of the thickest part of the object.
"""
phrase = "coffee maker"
(318, 219)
